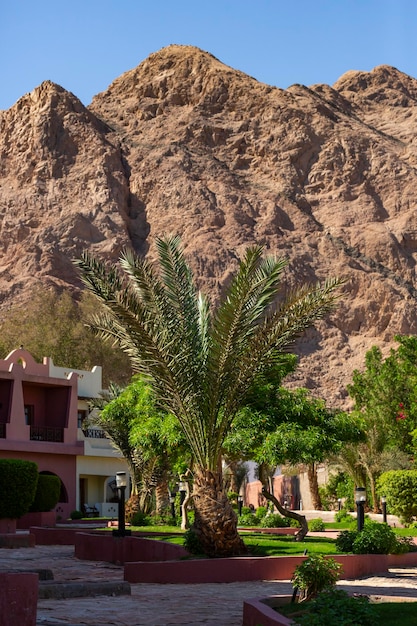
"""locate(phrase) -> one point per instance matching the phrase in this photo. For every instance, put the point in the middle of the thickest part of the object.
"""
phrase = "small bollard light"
(360, 499)
(121, 484)
(384, 509)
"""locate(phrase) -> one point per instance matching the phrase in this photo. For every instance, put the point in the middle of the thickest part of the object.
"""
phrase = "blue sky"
(84, 45)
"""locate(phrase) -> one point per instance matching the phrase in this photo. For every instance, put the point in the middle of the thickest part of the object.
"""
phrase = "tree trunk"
(314, 486)
(215, 521)
(287, 513)
(162, 504)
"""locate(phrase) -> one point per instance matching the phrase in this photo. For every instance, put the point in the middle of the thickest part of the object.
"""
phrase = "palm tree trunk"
(215, 521)
(314, 486)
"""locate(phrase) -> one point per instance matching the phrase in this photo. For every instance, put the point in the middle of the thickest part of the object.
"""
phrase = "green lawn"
(259, 544)
(387, 613)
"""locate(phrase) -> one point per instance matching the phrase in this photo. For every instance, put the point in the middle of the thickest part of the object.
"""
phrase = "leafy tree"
(201, 362)
(52, 324)
(385, 396)
(147, 437)
(291, 427)
(400, 489)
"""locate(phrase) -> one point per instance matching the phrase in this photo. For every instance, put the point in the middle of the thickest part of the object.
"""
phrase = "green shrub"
(192, 542)
(343, 516)
(246, 510)
(345, 540)
(315, 574)
(18, 480)
(47, 493)
(400, 489)
(293, 523)
(76, 515)
(261, 511)
(334, 607)
(141, 519)
(375, 538)
(275, 520)
(316, 525)
(249, 519)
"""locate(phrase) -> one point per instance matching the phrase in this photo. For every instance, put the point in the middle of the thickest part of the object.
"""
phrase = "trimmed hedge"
(18, 480)
(47, 493)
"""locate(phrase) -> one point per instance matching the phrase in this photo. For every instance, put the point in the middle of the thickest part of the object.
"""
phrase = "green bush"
(246, 510)
(345, 540)
(192, 542)
(261, 511)
(18, 480)
(375, 538)
(343, 516)
(334, 607)
(275, 520)
(400, 489)
(316, 525)
(249, 519)
(141, 519)
(47, 493)
(76, 515)
(315, 574)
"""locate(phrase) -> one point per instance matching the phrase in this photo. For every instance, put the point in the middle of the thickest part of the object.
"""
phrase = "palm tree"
(202, 361)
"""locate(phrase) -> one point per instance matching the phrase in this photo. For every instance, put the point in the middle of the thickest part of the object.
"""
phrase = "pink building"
(42, 408)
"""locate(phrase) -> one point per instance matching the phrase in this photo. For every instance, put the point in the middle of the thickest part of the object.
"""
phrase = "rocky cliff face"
(325, 176)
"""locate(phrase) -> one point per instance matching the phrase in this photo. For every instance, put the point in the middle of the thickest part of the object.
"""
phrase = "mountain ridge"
(183, 144)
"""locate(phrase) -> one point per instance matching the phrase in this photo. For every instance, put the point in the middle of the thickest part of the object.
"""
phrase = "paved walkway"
(211, 604)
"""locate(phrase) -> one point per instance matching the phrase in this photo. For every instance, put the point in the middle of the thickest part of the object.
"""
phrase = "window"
(29, 413)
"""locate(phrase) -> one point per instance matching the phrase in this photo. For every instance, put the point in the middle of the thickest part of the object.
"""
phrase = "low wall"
(233, 569)
(18, 599)
(238, 569)
(36, 519)
(54, 536)
(13, 540)
(256, 612)
(106, 547)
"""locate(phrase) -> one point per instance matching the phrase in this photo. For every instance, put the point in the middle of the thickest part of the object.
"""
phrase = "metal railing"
(94, 433)
(46, 433)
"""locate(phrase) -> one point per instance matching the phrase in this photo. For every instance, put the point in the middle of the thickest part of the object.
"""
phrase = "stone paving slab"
(213, 604)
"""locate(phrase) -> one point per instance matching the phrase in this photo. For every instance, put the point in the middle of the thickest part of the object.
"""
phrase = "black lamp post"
(360, 499)
(172, 503)
(121, 484)
(384, 509)
(183, 491)
(339, 504)
(239, 504)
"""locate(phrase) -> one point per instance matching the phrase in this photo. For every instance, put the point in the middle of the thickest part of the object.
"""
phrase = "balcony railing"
(94, 433)
(46, 433)
(2, 431)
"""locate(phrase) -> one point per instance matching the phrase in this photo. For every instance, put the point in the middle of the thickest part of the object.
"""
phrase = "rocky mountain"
(324, 176)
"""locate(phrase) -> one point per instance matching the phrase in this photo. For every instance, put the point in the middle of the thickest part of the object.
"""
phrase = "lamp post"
(121, 484)
(172, 503)
(384, 509)
(360, 499)
(239, 504)
(339, 504)
(183, 491)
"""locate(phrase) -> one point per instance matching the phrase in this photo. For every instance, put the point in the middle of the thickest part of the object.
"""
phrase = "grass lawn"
(258, 544)
(387, 613)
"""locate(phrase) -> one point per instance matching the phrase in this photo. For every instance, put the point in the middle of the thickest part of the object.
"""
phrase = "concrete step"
(82, 589)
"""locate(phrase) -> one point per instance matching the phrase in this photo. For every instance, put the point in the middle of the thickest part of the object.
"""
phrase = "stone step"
(82, 589)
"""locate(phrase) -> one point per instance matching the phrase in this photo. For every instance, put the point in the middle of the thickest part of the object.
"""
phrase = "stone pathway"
(211, 604)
